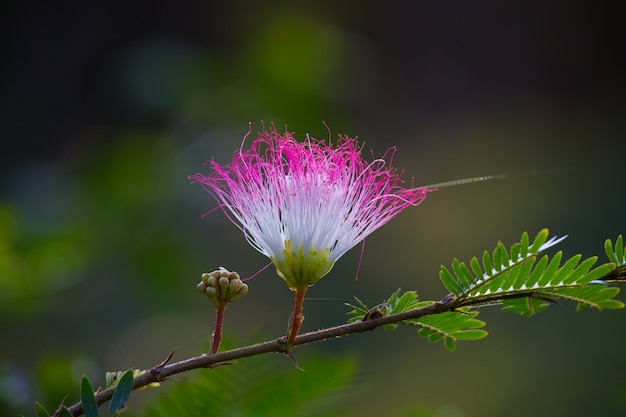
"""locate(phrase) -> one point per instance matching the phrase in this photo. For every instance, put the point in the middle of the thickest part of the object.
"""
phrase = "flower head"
(305, 204)
(222, 287)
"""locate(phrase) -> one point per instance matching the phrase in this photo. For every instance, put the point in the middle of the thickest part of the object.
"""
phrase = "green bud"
(233, 287)
(222, 287)
(211, 292)
(243, 290)
(224, 282)
(211, 281)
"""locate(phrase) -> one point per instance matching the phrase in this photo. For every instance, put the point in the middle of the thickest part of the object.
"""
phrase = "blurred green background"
(107, 106)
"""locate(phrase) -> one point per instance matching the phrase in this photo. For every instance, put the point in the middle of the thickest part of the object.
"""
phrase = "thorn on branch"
(156, 370)
(294, 360)
(282, 342)
(165, 362)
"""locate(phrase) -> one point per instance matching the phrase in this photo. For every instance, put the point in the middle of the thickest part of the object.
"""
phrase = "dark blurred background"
(106, 107)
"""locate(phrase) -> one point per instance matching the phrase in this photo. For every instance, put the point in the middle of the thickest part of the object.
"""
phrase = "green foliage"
(396, 303)
(40, 410)
(450, 326)
(113, 378)
(122, 392)
(464, 282)
(123, 387)
(508, 275)
(362, 312)
(65, 412)
(526, 306)
(513, 278)
(616, 254)
(516, 278)
(88, 399)
(254, 387)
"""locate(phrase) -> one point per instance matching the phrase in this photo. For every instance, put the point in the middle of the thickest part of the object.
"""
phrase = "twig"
(280, 345)
(160, 372)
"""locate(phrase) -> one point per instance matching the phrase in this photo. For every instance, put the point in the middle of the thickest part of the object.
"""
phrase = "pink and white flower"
(305, 204)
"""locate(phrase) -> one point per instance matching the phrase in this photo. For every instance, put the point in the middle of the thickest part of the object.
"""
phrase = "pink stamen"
(322, 196)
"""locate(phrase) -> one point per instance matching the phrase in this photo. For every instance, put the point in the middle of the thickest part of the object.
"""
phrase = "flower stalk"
(222, 287)
(295, 322)
(217, 332)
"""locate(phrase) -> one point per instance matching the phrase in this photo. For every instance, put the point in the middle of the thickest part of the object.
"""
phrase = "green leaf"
(596, 296)
(617, 253)
(65, 412)
(449, 282)
(504, 270)
(565, 270)
(524, 249)
(462, 278)
(525, 286)
(620, 251)
(524, 274)
(358, 311)
(487, 264)
(361, 304)
(497, 259)
(470, 334)
(88, 399)
(509, 278)
(596, 273)
(475, 265)
(122, 392)
(404, 303)
(41, 411)
(515, 252)
(450, 344)
(608, 248)
(467, 274)
(577, 273)
(537, 272)
(526, 306)
(434, 337)
(553, 266)
(450, 327)
(504, 255)
(540, 239)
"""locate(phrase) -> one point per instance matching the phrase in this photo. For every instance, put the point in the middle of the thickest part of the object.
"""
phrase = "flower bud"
(222, 287)
(224, 283)
(243, 290)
